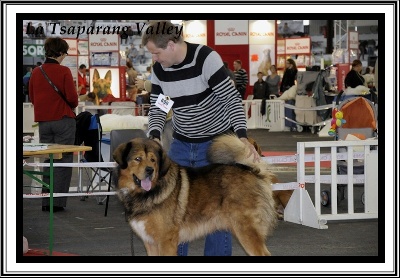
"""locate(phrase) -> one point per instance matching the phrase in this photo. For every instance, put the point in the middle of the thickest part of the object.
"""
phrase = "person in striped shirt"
(205, 104)
(241, 77)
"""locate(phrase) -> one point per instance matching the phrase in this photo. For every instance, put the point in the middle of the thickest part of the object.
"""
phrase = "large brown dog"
(167, 204)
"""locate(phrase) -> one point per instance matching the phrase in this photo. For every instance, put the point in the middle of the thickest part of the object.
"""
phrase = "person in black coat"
(260, 89)
(289, 76)
(353, 77)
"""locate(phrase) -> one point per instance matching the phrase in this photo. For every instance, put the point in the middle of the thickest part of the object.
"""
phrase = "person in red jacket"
(82, 82)
(55, 115)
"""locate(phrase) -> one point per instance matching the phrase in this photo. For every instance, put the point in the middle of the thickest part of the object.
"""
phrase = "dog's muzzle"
(146, 183)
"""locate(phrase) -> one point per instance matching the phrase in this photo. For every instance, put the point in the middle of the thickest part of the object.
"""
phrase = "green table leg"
(51, 185)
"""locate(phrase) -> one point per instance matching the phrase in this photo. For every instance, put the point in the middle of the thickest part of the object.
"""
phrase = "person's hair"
(356, 63)
(259, 73)
(38, 63)
(292, 62)
(239, 62)
(129, 64)
(161, 39)
(82, 66)
(91, 95)
(55, 47)
(367, 70)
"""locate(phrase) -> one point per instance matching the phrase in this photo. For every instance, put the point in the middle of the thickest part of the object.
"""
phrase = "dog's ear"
(96, 75)
(108, 76)
(121, 153)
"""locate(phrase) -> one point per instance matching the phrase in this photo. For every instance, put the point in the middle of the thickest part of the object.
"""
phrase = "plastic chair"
(117, 137)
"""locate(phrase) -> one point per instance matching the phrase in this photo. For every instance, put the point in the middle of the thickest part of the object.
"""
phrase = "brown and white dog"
(167, 204)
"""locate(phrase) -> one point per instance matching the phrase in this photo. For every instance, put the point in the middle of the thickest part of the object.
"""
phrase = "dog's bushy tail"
(229, 149)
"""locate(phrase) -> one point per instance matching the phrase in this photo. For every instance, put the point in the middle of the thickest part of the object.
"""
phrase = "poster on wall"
(231, 32)
(71, 63)
(261, 59)
(109, 59)
(73, 46)
(83, 60)
(290, 28)
(104, 81)
(261, 32)
(83, 47)
(195, 31)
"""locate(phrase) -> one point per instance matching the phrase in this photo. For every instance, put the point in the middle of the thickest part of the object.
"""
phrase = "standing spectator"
(55, 116)
(231, 74)
(273, 81)
(25, 80)
(140, 56)
(147, 74)
(371, 47)
(82, 82)
(260, 89)
(354, 77)
(288, 80)
(133, 52)
(205, 105)
(132, 74)
(30, 30)
(241, 77)
(363, 48)
(289, 75)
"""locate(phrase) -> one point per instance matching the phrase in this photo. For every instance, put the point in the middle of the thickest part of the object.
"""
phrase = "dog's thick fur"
(101, 86)
(281, 197)
(167, 204)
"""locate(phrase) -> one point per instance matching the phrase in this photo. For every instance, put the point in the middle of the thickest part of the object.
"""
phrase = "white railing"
(273, 119)
(302, 210)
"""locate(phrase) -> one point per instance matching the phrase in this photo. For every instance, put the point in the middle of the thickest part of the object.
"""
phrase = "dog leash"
(55, 87)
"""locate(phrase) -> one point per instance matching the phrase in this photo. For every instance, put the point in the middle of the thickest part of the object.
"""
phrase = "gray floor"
(83, 229)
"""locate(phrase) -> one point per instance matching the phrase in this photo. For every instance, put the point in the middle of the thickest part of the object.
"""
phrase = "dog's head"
(101, 86)
(141, 163)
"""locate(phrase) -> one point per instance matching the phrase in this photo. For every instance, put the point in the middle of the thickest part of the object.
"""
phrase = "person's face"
(164, 56)
(82, 70)
(272, 69)
(358, 68)
(288, 65)
(236, 66)
(259, 76)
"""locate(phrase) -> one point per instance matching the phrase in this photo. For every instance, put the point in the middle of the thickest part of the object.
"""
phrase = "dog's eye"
(138, 159)
(152, 160)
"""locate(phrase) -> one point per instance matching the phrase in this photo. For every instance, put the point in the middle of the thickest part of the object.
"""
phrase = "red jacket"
(82, 81)
(47, 104)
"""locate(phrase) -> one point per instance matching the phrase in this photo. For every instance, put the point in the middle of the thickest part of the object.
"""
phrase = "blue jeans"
(186, 154)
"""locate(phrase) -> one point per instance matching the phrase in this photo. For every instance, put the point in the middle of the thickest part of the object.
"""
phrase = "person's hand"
(253, 151)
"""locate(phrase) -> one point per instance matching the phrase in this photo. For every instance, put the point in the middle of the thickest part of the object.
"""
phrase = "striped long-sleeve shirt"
(205, 101)
(241, 79)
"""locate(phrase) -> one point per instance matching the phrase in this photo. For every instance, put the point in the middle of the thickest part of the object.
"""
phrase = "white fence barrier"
(300, 208)
(273, 119)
